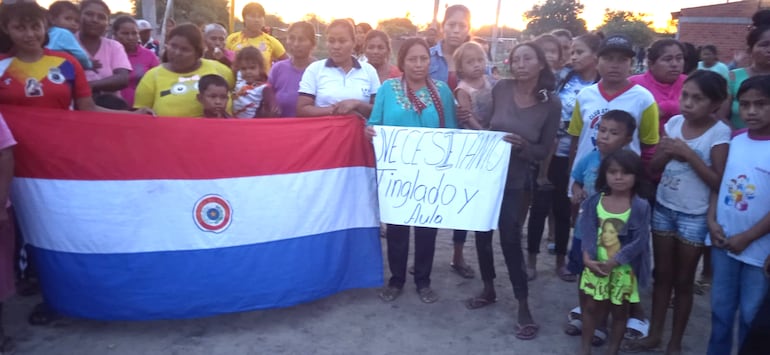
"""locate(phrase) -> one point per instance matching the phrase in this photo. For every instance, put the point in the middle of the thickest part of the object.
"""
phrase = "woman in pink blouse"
(142, 59)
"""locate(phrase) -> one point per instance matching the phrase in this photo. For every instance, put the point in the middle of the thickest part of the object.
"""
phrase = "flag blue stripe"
(198, 283)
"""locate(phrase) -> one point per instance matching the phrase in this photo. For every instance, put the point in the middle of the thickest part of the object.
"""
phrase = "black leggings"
(510, 242)
(552, 199)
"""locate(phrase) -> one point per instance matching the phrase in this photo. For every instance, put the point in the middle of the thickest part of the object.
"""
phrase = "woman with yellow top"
(253, 36)
(171, 88)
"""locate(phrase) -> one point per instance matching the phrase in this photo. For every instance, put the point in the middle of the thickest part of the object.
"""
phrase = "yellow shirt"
(175, 94)
(271, 48)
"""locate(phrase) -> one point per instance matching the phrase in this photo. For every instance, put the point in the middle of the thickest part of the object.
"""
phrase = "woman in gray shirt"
(527, 109)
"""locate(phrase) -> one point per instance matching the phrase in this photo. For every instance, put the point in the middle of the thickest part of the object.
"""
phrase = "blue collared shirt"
(439, 69)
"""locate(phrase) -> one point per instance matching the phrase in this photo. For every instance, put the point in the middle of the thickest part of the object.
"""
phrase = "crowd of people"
(648, 175)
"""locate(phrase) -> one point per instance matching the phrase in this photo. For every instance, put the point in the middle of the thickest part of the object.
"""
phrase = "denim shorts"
(688, 228)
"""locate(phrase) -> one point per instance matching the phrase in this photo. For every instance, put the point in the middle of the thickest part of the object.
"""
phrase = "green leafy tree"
(630, 24)
(553, 14)
(195, 11)
(398, 27)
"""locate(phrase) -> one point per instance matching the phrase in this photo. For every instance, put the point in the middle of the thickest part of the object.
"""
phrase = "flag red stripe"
(76, 145)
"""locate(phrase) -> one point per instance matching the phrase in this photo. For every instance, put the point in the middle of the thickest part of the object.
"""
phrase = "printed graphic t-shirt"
(610, 225)
(54, 81)
(744, 193)
(174, 94)
(270, 47)
(680, 188)
(592, 103)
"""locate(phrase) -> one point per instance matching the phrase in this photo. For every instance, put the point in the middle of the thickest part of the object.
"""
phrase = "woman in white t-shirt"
(339, 85)
(692, 156)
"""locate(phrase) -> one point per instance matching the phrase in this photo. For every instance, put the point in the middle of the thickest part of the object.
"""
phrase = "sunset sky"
(659, 11)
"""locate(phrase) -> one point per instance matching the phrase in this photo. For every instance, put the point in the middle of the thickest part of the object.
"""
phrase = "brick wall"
(700, 25)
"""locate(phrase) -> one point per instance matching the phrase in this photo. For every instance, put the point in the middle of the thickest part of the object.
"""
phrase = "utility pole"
(166, 15)
(232, 16)
(434, 24)
(148, 13)
(495, 33)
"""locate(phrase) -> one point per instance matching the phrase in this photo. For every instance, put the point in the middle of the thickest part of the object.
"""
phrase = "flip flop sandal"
(464, 271)
(599, 338)
(636, 329)
(566, 276)
(389, 293)
(527, 331)
(478, 302)
(636, 346)
(574, 325)
(702, 287)
(427, 295)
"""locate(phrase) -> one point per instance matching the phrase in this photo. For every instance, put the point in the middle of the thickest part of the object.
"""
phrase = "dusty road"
(353, 322)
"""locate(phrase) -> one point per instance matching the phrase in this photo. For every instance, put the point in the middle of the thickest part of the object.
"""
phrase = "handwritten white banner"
(441, 178)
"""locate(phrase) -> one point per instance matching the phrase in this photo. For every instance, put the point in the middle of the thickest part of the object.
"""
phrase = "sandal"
(565, 275)
(527, 331)
(574, 325)
(599, 338)
(702, 287)
(41, 315)
(427, 295)
(639, 346)
(463, 270)
(636, 329)
(478, 302)
(389, 293)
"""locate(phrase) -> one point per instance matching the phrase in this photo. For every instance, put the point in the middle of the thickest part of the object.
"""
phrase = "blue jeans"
(736, 287)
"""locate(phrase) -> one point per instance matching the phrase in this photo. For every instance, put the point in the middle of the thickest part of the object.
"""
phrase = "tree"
(195, 11)
(397, 27)
(630, 24)
(275, 21)
(504, 32)
(320, 25)
(553, 14)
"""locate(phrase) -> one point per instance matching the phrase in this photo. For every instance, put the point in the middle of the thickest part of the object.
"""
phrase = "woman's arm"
(465, 116)
(88, 104)
(269, 106)
(6, 174)
(117, 81)
(659, 160)
(711, 175)
(739, 242)
(306, 107)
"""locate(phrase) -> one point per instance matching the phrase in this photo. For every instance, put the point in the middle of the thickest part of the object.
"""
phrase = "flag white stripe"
(130, 216)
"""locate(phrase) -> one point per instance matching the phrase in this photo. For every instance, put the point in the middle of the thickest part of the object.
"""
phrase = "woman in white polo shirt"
(339, 85)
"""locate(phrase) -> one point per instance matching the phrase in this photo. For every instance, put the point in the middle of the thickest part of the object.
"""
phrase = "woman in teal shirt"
(414, 100)
(758, 41)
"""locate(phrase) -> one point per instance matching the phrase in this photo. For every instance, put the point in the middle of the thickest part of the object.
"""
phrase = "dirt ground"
(352, 322)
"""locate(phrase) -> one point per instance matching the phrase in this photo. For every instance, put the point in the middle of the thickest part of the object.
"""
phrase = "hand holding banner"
(441, 178)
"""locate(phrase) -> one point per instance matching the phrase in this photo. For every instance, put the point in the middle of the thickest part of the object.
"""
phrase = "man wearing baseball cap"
(145, 36)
